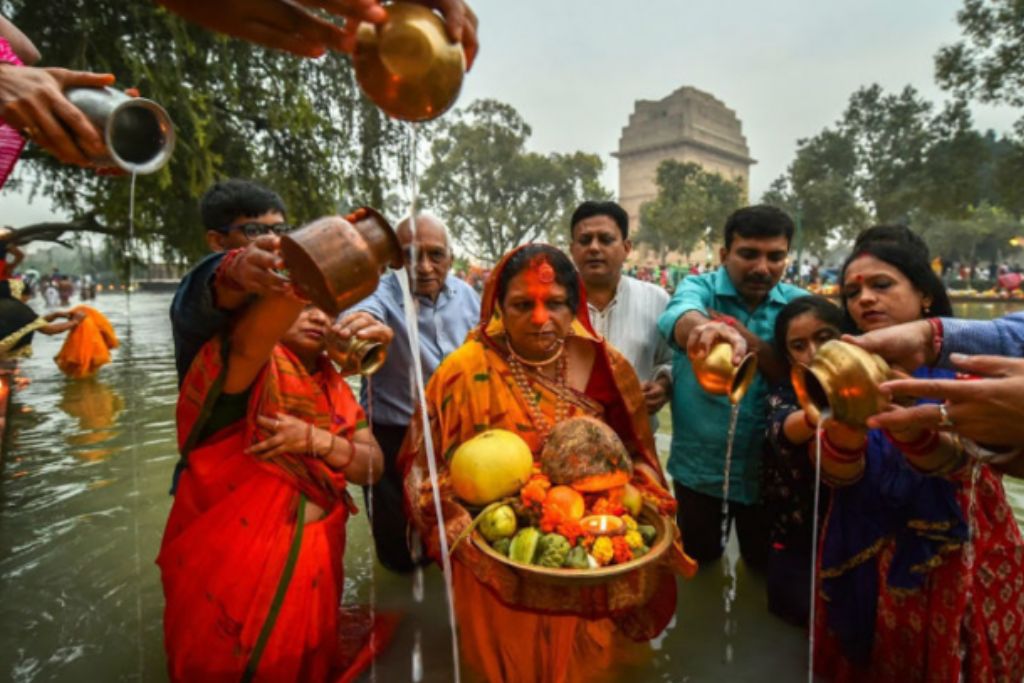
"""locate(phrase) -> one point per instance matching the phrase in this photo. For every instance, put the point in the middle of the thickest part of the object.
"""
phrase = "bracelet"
(923, 445)
(223, 276)
(840, 454)
(727, 319)
(937, 338)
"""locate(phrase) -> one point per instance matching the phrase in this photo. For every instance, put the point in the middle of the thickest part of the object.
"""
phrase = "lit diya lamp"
(603, 525)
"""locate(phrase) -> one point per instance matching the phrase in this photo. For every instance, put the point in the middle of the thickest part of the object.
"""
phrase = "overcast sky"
(573, 68)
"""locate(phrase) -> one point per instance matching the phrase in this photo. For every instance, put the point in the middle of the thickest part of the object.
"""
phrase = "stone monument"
(689, 126)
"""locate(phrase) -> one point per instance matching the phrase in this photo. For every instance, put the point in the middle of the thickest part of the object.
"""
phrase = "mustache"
(758, 279)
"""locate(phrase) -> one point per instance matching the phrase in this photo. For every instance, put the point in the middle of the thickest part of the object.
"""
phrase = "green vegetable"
(552, 550)
(641, 551)
(498, 523)
(524, 545)
(502, 545)
(648, 532)
(577, 559)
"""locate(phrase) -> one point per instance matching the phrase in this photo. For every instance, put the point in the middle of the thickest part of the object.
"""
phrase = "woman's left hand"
(288, 435)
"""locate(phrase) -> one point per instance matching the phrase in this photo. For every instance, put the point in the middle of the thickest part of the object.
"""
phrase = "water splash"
(411, 324)
(814, 544)
(728, 566)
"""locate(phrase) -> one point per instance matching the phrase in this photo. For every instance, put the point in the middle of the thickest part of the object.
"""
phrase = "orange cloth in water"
(569, 633)
(87, 347)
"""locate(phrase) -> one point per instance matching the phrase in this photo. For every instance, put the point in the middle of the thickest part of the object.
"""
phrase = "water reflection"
(96, 406)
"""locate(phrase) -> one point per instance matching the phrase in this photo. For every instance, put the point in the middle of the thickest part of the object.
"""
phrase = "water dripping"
(417, 658)
(814, 544)
(371, 547)
(728, 566)
(411, 323)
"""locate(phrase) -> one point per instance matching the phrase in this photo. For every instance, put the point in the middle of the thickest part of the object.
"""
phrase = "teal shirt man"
(700, 421)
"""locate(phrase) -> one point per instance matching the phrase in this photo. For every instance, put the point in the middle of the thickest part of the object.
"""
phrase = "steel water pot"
(138, 133)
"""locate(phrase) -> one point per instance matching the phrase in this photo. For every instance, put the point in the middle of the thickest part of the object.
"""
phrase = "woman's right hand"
(287, 435)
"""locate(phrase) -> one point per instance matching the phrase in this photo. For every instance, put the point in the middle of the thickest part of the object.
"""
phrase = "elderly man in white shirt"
(622, 309)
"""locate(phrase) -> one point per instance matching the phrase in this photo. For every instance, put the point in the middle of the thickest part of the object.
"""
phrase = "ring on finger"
(945, 421)
(30, 131)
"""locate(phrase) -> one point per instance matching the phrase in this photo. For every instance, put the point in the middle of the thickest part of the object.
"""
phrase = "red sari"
(251, 592)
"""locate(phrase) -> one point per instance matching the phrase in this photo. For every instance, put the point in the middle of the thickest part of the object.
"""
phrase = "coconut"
(587, 455)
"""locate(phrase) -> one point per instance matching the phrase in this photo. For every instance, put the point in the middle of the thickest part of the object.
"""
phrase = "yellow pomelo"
(490, 466)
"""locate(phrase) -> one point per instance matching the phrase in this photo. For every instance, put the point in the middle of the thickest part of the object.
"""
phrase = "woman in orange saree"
(252, 555)
(533, 361)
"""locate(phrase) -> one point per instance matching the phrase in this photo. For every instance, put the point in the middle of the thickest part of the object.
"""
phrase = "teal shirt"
(700, 421)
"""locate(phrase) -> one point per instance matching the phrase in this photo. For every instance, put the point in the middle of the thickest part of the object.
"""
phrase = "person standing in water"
(740, 300)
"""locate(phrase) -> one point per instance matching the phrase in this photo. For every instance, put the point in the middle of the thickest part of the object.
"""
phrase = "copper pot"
(356, 356)
(336, 262)
(717, 375)
(407, 65)
(843, 379)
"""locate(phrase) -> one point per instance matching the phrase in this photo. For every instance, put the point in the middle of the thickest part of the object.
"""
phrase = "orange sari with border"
(251, 592)
(578, 635)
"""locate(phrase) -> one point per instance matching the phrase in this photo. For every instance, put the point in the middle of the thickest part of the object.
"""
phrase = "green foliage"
(493, 193)
(820, 186)
(690, 202)
(988, 63)
(983, 233)
(297, 125)
(889, 159)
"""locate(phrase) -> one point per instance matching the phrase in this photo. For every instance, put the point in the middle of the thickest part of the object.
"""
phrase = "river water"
(83, 500)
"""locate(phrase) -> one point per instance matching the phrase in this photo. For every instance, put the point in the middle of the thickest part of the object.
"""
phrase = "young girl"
(803, 325)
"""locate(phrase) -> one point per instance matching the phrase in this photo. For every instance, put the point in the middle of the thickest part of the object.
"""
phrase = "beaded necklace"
(532, 397)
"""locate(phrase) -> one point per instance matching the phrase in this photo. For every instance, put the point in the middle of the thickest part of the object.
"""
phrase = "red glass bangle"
(223, 275)
(923, 445)
(840, 454)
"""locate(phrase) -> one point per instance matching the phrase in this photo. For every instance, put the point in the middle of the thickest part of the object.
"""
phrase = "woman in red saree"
(532, 361)
(252, 556)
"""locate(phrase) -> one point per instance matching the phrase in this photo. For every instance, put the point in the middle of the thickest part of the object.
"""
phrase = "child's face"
(806, 333)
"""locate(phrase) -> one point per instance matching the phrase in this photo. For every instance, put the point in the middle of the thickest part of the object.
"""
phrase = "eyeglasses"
(255, 229)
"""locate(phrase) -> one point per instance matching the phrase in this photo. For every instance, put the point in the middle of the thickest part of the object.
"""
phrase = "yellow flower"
(630, 522)
(602, 550)
(634, 539)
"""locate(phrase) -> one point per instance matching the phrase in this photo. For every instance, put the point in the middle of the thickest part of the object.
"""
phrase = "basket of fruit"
(571, 532)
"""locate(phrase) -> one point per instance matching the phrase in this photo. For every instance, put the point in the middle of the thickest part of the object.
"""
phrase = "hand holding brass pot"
(407, 65)
(356, 356)
(137, 132)
(842, 379)
(336, 263)
(717, 375)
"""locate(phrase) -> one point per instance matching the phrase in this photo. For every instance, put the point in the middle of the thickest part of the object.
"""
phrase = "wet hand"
(287, 435)
(988, 410)
(254, 269)
(706, 335)
(908, 345)
(32, 100)
(460, 22)
(363, 326)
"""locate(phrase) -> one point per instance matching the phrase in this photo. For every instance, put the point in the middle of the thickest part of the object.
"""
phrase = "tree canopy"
(299, 126)
(495, 194)
(690, 201)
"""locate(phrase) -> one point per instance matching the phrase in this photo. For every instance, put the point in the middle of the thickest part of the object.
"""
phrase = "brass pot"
(336, 262)
(407, 66)
(717, 375)
(843, 379)
(356, 356)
